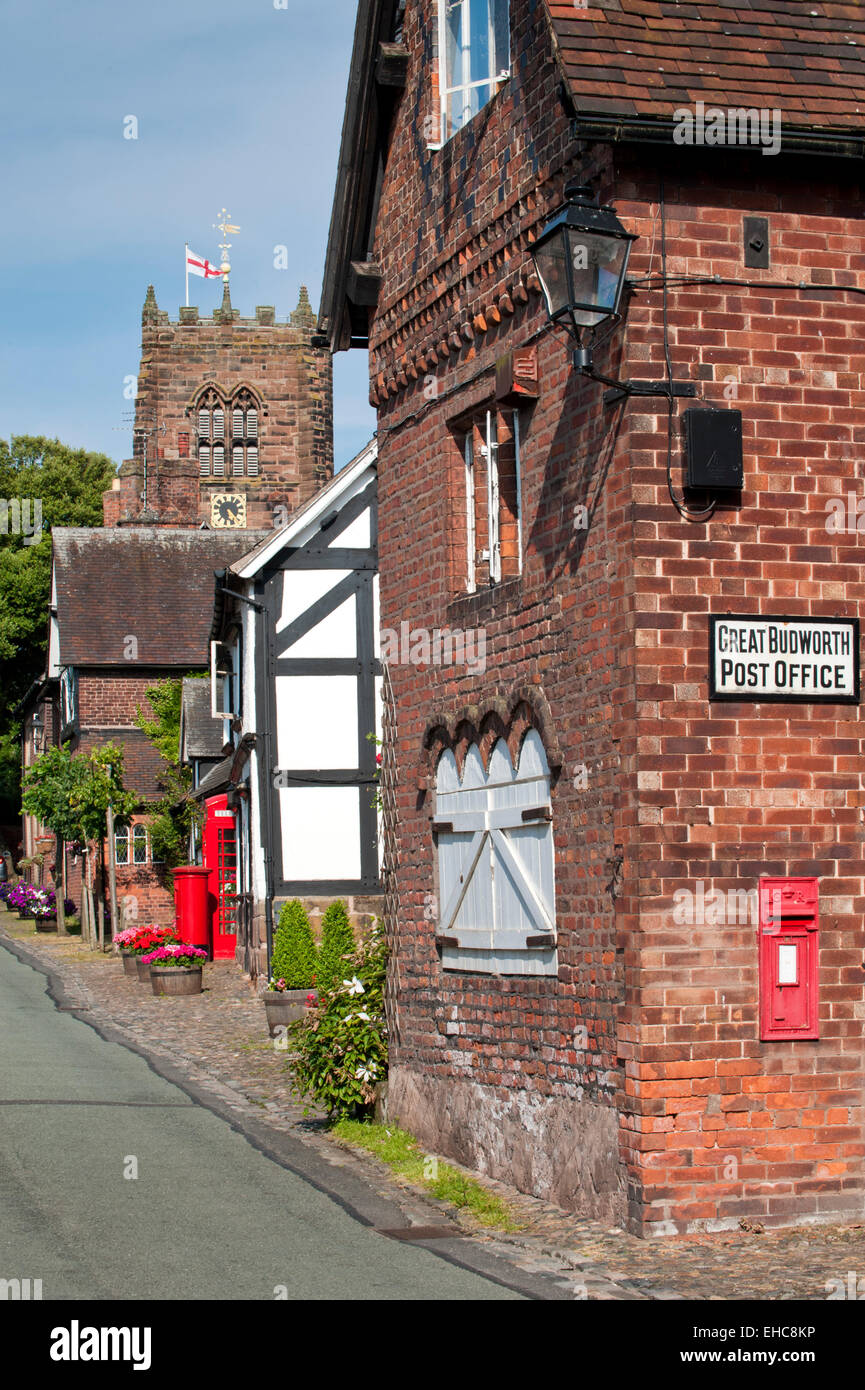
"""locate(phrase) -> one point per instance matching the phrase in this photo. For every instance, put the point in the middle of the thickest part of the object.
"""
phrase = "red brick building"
(582, 839)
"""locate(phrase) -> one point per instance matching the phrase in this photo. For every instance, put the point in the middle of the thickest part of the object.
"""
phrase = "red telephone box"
(788, 941)
(220, 857)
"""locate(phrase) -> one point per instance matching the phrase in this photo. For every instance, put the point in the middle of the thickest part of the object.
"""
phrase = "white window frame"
(139, 838)
(471, 526)
(488, 427)
(466, 85)
(122, 837)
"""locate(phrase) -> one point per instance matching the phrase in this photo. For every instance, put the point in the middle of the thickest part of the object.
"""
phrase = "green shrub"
(340, 1047)
(293, 957)
(337, 941)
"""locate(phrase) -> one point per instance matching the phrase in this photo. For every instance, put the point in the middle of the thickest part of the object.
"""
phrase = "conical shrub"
(337, 940)
(294, 955)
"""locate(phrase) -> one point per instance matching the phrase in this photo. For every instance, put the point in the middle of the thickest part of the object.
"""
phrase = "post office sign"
(813, 660)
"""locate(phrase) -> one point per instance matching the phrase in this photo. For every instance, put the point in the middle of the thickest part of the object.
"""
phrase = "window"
(211, 435)
(244, 435)
(494, 839)
(491, 460)
(228, 435)
(139, 845)
(474, 48)
(121, 846)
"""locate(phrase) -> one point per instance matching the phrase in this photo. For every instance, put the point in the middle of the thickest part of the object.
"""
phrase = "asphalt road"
(208, 1216)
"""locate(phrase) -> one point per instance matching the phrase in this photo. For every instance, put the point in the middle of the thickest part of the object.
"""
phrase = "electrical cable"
(642, 282)
(679, 503)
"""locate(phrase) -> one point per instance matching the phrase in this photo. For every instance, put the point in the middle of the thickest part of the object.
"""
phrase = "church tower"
(233, 419)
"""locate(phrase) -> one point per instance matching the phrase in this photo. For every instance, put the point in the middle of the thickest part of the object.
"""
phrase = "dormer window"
(474, 55)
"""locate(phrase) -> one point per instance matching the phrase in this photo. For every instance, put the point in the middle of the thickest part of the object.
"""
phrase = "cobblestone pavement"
(219, 1041)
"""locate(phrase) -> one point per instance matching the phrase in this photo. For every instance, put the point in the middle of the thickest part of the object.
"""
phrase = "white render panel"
(302, 588)
(333, 636)
(320, 832)
(357, 534)
(316, 721)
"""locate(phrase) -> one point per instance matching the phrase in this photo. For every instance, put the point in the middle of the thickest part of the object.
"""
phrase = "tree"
(175, 813)
(337, 941)
(293, 957)
(63, 487)
(70, 793)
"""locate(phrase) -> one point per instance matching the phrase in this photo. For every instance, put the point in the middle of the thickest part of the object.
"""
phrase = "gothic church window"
(244, 435)
(211, 435)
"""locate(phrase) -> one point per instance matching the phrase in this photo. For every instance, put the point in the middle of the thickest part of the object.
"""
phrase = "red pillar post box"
(192, 905)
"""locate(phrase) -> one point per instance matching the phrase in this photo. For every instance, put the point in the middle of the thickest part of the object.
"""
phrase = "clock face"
(227, 509)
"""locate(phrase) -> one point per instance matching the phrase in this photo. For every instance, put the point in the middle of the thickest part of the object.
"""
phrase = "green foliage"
(404, 1156)
(293, 948)
(70, 793)
(69, 483)
(340, 1046)
(337, 941)
(175, 813)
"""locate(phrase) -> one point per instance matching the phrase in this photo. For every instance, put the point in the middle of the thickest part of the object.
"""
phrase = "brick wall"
(669, 1112)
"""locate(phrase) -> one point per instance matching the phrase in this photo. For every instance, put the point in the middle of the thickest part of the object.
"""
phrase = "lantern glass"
(598, 265)
(581, 260)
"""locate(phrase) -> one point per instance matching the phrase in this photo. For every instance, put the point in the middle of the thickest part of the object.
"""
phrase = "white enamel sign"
(790, 659)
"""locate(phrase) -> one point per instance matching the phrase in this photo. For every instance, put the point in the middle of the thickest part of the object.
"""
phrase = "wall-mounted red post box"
(788, 943)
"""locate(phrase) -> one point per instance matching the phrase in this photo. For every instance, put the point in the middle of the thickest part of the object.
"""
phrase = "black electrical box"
(713, 447)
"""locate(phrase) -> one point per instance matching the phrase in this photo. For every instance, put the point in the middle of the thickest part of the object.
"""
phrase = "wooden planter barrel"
(143, 969)
(283, 1007)
(130, 964)
(45, 924)
(175, 979)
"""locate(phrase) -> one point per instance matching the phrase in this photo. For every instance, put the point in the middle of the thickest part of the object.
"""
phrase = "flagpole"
(187, 275)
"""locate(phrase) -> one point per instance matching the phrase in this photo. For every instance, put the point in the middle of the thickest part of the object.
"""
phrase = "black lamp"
(581, 260)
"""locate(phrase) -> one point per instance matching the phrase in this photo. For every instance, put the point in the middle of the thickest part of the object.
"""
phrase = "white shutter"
(252, 461)
(218, 424)
(237, 424)
(237, 459)
(252, 424)
(496, 862)
(218, 461)
(204, 460)
(204, 424)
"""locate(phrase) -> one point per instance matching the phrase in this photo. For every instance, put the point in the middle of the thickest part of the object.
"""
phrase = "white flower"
(348, 1018)
(364, 1016)
(366, 1072)
(354, 985)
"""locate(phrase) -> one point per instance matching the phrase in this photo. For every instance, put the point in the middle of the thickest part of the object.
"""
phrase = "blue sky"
(238, 105)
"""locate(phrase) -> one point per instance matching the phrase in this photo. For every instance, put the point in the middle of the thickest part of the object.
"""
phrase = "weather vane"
(226, 227)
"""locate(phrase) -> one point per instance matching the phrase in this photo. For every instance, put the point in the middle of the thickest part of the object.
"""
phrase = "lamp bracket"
(618, 389)
(649, 388)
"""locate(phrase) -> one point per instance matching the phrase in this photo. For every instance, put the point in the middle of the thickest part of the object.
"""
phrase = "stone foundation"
(566, 1151)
